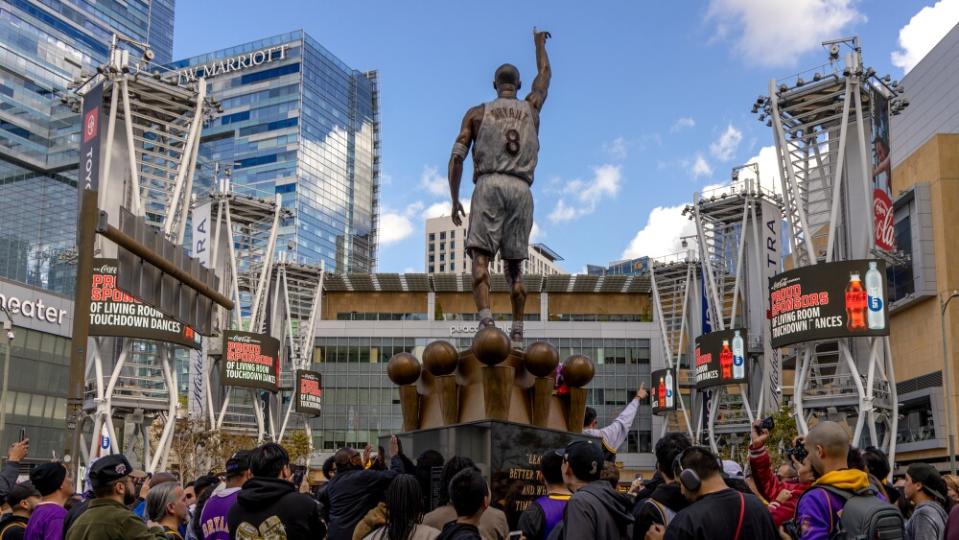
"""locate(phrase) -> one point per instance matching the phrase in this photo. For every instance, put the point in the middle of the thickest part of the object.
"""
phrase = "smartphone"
(298, 476)
(23, 434)
(515, 535)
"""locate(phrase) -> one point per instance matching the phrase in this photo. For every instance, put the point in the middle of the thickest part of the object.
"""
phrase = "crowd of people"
(823, 488)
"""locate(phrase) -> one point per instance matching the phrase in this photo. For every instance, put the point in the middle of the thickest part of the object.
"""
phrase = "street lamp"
(947, 373)
(8, 332)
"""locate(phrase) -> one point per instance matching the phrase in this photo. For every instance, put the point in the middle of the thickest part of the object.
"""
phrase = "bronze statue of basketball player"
(504, 134)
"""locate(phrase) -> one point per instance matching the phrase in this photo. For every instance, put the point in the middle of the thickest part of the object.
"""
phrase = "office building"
(628, 267)
(446, 251)
(924, 140)
(46, 45)
(36, 400)
(299, 123)
(366, 319)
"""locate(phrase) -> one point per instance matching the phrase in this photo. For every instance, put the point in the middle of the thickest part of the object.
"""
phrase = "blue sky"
(650, 101)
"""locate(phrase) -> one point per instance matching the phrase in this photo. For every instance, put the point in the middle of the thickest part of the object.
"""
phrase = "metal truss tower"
(245, 231)
(299, 289)
(148, 158)
(673, 281)
(821, 131)
(737, 233)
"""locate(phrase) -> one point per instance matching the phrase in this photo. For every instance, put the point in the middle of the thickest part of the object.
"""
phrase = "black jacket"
(646, 513)
(459, 531)
(12, 527)
(265, 503)
(596, 511)
(351, 494)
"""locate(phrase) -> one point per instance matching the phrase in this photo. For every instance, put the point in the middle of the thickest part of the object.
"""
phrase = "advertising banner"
(882, 174)
(309, 392)
(90, 139)
(250, 360)
(721, 358)
(201, 251)
(663, 394)
(828, 301)
(113, 312)
(707, 318)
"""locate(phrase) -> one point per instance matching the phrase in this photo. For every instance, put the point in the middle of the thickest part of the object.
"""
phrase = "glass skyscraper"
(297, 122)
(46, 45)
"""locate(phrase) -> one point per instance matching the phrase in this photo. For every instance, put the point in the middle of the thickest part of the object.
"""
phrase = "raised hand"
(18, 450)
(539, 38)
(642, 393)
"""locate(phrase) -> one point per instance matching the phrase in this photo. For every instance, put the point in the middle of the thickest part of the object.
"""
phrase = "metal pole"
(8, 327)
(947, 374)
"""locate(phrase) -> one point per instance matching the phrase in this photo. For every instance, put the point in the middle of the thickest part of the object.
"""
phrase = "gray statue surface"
(504, 135)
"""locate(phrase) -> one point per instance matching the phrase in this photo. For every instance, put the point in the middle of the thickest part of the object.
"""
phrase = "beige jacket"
(493, 525)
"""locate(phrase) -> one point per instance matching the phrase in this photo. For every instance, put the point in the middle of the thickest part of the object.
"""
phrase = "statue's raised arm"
(537, 97)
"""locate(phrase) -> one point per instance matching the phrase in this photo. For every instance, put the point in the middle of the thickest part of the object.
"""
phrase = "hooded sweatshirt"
(770, 486)
(818, 509)
(596, 511)
(266, 506)
(666, 496)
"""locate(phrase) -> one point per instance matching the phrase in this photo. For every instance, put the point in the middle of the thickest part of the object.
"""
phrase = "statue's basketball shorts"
(501, 217)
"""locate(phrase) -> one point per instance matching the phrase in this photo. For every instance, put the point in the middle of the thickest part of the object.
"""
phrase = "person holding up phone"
(784, 488)
(11, 468)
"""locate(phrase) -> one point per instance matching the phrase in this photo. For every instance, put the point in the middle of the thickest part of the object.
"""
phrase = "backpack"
(865, 516)
(664, 511)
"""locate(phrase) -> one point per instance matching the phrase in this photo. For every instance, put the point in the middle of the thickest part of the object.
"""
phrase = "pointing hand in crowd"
(642, 394)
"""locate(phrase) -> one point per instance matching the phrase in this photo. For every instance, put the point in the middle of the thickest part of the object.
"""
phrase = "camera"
(791, 528)
(797, 452)
(767, 424)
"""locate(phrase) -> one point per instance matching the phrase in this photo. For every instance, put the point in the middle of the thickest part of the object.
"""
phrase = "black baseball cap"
(20, 492)
(108, 469)
(238, 463)
(585, 458)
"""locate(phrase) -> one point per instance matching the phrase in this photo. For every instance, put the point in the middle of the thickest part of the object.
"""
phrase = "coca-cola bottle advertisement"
(722, 358)
(662, 396)
(829, 300)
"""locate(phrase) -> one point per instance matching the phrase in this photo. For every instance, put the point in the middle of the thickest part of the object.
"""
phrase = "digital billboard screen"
(721, 358)
(663, 394)
(250, 360)
(828, 301)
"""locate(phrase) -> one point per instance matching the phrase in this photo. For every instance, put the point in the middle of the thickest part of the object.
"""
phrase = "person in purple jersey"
(55, 486)
(213, 519)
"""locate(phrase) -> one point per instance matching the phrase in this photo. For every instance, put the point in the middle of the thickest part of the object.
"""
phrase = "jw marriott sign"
(231, 64)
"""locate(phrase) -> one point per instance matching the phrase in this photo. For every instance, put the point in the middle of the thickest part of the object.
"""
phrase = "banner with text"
(113, 312)
(90, 140)
(309, 392)
(250, 360)
(663, 392)
(882, 174)
(200, 249)
(828, 301)
(721, 358)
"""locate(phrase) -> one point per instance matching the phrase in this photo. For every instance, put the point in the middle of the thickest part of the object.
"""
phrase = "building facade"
(48, 44)
(367, 319)
(924, 140)
(299, 123)
(628, 267)
(36, 400)
(446, 251)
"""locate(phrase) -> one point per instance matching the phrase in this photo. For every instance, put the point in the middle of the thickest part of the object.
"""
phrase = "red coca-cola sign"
(882, 219)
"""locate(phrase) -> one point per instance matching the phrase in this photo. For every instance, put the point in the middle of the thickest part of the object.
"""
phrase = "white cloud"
(724, 148)
(433, 182)
(700, 167)
(394, 228)
(923, 32)
(397, 226)
(683, 123)
(441, 209)
(536, 234)
(768, 169)
(586, 195)
(774, 33)
(618, 148)
(662, 233)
